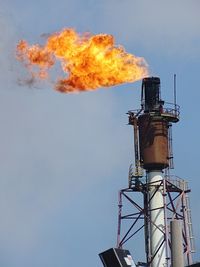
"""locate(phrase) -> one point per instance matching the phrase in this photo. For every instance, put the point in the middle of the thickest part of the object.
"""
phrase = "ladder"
(187, 224)
(189, 220)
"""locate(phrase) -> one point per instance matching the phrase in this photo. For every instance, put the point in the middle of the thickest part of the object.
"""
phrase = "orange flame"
(89, 61)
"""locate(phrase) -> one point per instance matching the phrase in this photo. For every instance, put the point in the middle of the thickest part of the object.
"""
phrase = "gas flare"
(88, 61)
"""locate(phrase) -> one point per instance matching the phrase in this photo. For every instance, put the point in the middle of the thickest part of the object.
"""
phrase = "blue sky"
(64, 157)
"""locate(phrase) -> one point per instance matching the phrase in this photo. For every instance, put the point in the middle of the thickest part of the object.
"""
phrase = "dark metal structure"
(116, 257)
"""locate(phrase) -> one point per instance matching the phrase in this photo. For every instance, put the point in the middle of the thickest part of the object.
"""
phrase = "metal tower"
(165, 198)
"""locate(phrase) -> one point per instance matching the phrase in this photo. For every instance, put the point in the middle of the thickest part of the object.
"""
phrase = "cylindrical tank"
(153, 136)
(176, 244)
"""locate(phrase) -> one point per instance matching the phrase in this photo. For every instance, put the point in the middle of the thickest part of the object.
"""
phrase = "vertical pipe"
(137, 161)
(146, 227)
(166, 225)
(175, 94)
(119, 219)
(177, 244)
(157, 224)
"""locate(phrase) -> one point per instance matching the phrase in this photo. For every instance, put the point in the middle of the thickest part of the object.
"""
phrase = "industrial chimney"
(153, 125)
(165, 198)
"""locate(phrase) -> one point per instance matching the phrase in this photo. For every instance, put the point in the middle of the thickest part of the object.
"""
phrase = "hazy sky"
(64, 157)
